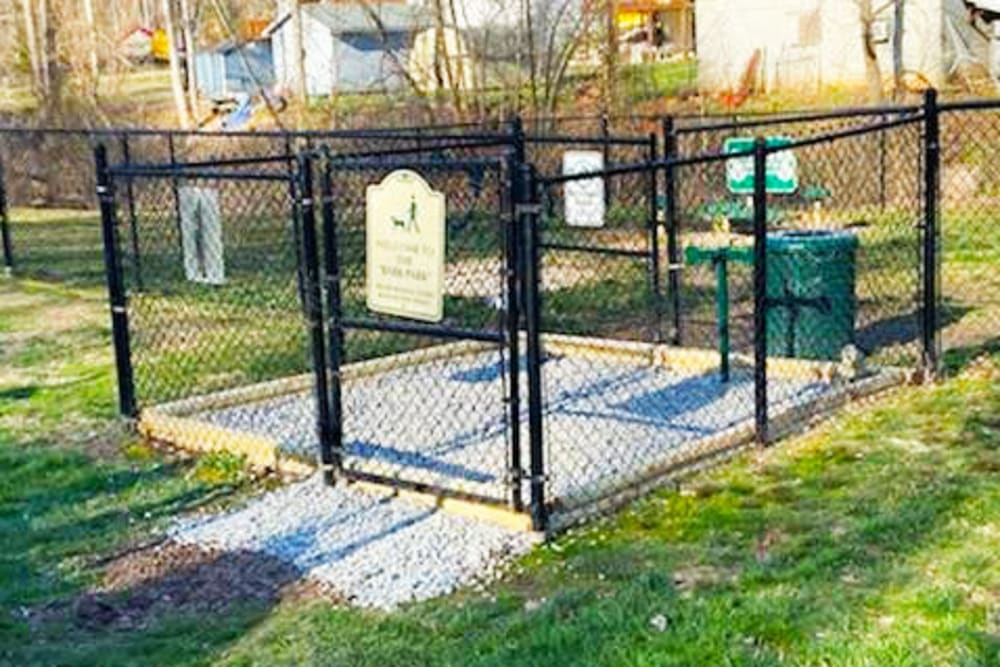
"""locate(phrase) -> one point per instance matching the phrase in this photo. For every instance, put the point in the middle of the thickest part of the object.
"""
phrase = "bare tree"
(33, 47)
(297, 50)
(95, 71)
(189, 28)
(868, 14)
(176, 81)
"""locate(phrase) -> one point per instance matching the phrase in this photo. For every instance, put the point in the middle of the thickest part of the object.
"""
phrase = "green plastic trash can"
(810, 291)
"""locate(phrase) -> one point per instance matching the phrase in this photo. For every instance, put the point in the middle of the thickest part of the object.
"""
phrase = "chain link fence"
(610, 306)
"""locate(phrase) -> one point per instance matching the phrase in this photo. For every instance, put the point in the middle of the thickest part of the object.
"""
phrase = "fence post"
(670, 223)
(8, 247)
(332, 456)
(116, 286)
(760, 289)
(313, 308)
(133, 225)
(932, 167)
(514, 301)
(528, 214)
(654, 238)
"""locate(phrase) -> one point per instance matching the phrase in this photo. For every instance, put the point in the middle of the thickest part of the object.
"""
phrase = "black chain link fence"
(615, 305)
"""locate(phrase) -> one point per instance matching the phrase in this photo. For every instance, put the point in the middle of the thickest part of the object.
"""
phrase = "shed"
(348, 47)
(232, 69)
(808, 44)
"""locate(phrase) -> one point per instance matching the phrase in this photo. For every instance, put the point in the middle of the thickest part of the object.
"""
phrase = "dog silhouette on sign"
(409, 225)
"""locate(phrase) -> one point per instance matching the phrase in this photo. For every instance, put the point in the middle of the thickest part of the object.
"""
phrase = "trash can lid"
(812, 239)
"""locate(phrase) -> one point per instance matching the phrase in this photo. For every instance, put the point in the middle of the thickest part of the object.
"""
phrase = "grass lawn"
(872, 541)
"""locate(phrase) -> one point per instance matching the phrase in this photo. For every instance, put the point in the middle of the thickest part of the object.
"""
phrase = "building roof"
(354, 18)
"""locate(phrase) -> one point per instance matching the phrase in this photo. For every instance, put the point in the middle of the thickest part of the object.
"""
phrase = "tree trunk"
(45, 45)
(176, 81)
(298, 52)
(31, 39)
(95, 71)
(610, 56)
(873, 72)
(189, 27)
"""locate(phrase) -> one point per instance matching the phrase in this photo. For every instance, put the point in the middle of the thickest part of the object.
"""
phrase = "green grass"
(872, 541)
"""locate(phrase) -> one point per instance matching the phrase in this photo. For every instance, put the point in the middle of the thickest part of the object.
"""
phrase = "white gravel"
(375, 551)
(444, 422)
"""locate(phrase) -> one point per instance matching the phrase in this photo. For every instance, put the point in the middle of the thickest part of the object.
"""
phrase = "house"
(652, 29)
(810, 44)
(232, 69)
(348, 47)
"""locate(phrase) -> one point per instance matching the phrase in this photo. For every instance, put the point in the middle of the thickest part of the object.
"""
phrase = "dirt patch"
(172, 578)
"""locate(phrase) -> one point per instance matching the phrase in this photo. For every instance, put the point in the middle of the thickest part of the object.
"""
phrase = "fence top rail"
(327, 151)
(617, 140)
(859, 130)
(377, 134)
(970, 105)
(783, 119)
(131, 170)
(610, 170)
(717, 156)
(336, 162)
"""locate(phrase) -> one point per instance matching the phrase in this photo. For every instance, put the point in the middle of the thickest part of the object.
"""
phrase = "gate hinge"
(527, 209)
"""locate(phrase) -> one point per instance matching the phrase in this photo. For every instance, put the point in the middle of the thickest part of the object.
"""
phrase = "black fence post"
(313, 307)
(528, 214)
(932, 170)
(133, 225)
(760, 289)
(116, 286)
(332, 455)
(514, 300)
(670, 223)
(654, 239)
(8, 246)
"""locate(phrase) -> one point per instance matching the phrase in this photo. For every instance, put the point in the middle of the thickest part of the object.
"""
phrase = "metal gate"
(428, 405)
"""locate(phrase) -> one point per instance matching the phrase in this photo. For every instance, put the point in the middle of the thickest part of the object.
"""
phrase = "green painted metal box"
(812, 305)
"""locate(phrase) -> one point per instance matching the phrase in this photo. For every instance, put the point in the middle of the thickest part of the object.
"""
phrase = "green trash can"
(810, 291)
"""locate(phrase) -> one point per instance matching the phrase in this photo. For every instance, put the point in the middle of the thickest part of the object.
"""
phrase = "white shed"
(808, 44)
(347, 48)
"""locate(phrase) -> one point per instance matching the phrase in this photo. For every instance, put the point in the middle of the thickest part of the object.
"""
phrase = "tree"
(176, 81)
(189, 28)
(33, 47)
(95, 66)
(868, 14)
(297, 50)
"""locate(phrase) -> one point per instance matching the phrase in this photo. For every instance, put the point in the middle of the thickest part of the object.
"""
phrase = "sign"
(781, 173)
(584, 198)
(405, 247)
(201, 235)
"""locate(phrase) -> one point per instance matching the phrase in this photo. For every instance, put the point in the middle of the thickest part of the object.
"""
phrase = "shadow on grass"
(64, 517)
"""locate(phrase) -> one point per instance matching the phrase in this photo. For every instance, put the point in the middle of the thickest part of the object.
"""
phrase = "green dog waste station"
(810, 293)
(811, 302)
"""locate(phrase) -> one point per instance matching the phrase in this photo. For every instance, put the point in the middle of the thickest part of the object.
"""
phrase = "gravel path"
(374, 551)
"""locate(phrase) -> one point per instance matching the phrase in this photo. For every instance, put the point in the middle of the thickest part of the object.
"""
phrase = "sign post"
(405, 247)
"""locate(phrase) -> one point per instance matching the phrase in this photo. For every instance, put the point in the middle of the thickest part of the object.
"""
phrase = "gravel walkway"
(444, 422)
(374, 551)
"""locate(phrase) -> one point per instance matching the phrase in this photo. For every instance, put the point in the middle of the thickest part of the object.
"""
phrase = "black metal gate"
(425, 405)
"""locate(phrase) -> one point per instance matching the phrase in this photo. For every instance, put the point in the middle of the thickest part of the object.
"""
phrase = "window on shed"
(373, 41)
